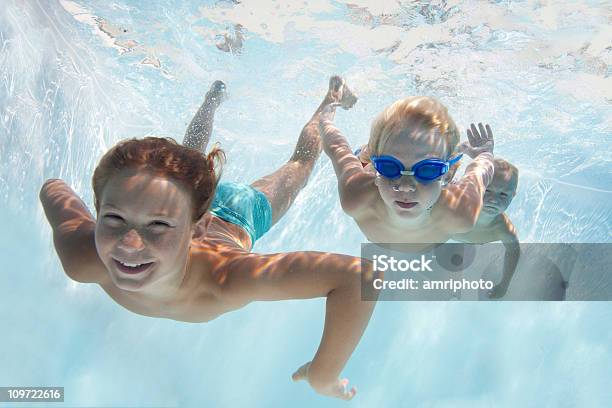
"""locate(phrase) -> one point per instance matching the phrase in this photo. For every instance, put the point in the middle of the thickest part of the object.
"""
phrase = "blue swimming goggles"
(424, 171)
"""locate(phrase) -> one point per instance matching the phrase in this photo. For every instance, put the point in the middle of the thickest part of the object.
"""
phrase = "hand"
(479, 142)
(337, 388)
(328, 112)
(498, 291)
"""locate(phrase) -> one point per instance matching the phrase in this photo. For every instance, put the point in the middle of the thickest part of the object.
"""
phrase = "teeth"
(129, 264)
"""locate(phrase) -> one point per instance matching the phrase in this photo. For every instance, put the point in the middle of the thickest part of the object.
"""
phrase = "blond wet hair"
(506, 171)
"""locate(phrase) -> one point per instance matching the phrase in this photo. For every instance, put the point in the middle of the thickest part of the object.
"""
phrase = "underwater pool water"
(76, 77)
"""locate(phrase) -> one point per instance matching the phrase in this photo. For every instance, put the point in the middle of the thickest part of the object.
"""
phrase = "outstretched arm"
(73, 231)
(354, 183)
(464, 198)
(303, 275)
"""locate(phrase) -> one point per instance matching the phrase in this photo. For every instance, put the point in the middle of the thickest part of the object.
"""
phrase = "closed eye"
(113, 219)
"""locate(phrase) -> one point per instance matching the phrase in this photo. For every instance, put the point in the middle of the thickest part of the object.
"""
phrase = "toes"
(348, 98)
(341, 93)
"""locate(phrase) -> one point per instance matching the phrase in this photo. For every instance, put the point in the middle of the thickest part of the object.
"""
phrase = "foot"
(216, 94)
(341, 93)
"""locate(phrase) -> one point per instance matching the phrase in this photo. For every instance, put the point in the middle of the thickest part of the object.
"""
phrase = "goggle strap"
(455, 159)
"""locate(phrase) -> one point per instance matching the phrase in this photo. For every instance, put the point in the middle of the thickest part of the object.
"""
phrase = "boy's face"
(405, 196)
(499, 193)
(144, 229)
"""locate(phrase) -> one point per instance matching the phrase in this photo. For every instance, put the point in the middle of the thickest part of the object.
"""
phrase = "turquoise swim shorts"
(245, 206)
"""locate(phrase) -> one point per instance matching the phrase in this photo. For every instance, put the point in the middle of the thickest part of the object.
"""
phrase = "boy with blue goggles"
(417, 129)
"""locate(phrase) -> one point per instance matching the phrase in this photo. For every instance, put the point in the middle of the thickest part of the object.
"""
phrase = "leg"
(282, 186)
(200, 128)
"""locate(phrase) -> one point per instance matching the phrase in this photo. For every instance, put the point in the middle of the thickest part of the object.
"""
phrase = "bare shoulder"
(359, 193)
(505, 229)
(451, 218)
(460, 205)
(213, 270)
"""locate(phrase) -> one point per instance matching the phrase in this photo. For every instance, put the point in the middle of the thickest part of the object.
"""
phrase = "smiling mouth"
(490, 207)
(404, 204)
(132, 268)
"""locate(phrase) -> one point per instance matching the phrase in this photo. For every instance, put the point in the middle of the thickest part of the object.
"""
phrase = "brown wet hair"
(163, 156)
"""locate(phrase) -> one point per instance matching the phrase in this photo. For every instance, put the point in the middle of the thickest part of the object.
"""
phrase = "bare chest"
(381, 230)
(188, 306)
(170, 310)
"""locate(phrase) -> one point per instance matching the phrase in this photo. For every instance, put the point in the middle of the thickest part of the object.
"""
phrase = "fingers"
(339, 390)
(489, 132)
(473, 135)
(483, 133)
(479, 136)
(343, 392)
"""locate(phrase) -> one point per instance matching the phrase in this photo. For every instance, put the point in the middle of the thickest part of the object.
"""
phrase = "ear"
(377, 180)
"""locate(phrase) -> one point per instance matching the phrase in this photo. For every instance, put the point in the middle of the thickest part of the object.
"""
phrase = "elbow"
(46, 187)
(49, 182)
(43, 193)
